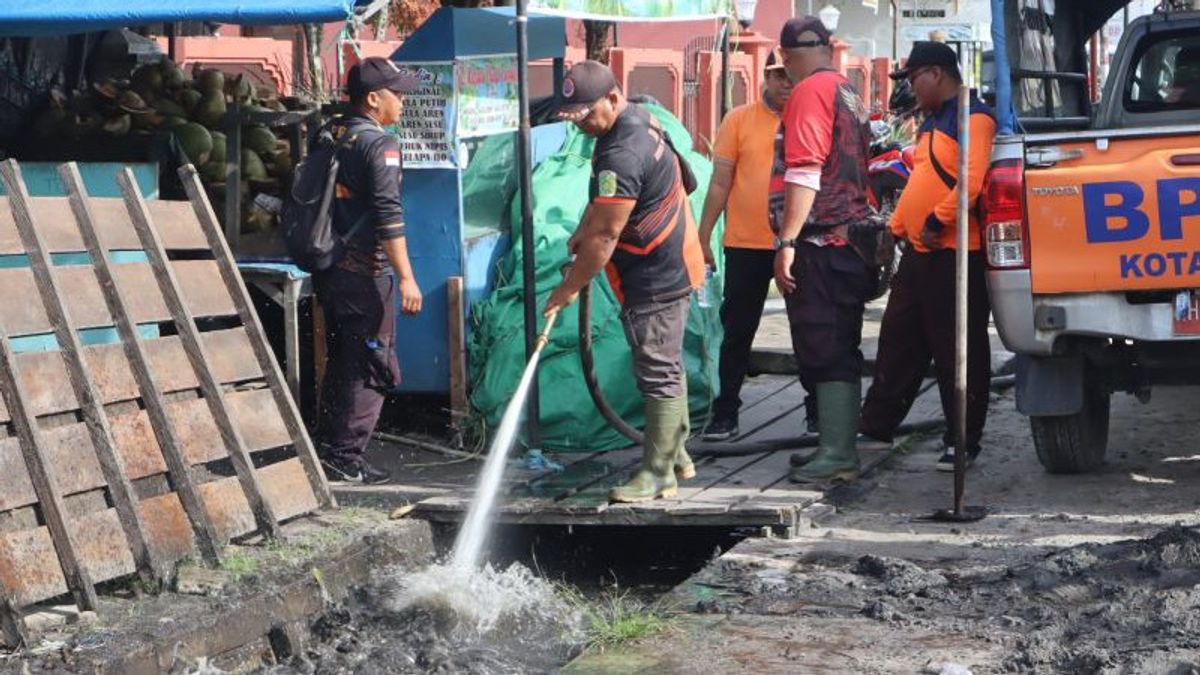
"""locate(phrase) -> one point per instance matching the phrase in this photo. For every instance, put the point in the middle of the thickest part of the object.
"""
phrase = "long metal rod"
(725, 67)
(895, 33)
(533, 430)
(960, 287)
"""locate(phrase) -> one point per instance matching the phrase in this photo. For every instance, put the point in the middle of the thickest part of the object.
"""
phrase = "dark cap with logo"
(774, 60)
(375, 73)
(790, 35)
(584, 84)
(927, 53)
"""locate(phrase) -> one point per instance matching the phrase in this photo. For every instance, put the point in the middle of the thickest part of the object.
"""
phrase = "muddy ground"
(1071, 574)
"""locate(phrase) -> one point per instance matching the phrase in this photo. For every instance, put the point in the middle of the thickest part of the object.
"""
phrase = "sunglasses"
(913, 76)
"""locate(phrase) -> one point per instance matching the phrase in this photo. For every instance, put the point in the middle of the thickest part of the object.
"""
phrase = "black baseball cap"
(789, 36)
(774, 60)
(928, 53)
(375, 73)
(584, 84)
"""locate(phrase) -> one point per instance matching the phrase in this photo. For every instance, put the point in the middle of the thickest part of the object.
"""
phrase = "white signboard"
(954, 32)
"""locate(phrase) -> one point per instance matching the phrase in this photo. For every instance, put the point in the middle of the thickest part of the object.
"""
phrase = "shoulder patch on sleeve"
(606, 183)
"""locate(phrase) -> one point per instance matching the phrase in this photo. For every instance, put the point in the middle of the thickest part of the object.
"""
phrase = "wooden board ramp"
(119, 457)
(731, 490)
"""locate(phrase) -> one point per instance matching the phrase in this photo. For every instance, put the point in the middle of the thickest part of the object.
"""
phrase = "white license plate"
(1187, 313)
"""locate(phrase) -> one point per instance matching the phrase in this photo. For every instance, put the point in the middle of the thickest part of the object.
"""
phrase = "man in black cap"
(819, 189)
(918, 324)
(639, 227)
(358, 293)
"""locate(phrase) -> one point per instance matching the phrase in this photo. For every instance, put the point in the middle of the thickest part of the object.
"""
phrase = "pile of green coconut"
(161, 98)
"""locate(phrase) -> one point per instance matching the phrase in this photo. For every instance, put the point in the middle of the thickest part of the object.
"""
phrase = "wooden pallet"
(750, 490)
(120, 459)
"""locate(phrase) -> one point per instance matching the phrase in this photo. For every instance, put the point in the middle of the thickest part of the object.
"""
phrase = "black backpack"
(307, 214)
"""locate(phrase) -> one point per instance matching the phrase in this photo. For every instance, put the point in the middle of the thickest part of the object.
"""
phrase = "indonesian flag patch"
(391, 157)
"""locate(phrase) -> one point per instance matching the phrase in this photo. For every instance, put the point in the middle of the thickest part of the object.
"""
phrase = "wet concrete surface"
(1097, 573)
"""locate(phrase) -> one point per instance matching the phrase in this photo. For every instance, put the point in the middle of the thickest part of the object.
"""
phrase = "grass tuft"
(616, 618)
(240, 565)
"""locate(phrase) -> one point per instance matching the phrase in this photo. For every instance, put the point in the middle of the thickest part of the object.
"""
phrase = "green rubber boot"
(684, 468)
(664, 436)
(836, 458)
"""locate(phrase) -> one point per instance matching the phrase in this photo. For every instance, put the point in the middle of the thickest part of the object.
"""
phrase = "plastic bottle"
(704, 294)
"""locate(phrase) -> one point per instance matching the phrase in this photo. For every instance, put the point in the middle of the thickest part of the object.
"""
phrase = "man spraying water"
(639, 227)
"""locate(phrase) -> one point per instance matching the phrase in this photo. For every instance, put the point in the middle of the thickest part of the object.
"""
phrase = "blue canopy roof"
(452, 32)
(32, 18)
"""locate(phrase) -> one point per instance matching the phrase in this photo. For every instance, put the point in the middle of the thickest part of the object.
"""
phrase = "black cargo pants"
(825, 312)
(359, 309)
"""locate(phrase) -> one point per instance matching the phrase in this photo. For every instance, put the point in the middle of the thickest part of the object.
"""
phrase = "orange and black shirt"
(658, 256)
(930, 199)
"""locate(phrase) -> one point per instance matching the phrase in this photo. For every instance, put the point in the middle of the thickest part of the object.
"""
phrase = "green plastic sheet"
(569, 419)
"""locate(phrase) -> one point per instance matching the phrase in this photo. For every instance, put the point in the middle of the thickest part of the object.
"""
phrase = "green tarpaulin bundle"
(569, 419)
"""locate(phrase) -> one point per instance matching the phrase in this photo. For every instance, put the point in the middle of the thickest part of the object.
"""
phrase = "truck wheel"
(1074, 443)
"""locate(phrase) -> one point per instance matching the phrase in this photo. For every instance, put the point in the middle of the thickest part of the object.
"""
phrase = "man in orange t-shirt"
(918, 324)
(742, 158)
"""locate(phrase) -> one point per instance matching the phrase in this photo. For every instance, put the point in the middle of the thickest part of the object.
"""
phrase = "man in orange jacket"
(918, 324)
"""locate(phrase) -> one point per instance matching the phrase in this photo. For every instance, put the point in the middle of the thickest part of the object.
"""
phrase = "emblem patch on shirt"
(391, 157)
(607, 182)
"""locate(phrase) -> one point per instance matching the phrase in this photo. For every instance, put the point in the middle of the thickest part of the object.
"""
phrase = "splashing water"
(483, 600)
(468, 546)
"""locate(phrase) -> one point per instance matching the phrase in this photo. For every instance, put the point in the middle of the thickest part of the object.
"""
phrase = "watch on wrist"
(780, 243)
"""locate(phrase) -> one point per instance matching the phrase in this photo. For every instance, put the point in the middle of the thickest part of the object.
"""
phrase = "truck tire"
(1074, 443)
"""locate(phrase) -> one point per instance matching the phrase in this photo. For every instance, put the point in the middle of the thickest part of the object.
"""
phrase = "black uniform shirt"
(368, 186)
(632, 162)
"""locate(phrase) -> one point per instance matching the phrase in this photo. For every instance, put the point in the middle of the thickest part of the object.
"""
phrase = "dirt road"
(1079, 574)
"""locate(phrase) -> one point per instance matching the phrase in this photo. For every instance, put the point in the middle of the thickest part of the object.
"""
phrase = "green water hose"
(588, 360)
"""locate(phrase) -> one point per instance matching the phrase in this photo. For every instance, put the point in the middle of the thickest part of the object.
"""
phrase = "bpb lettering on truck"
(1116, 217)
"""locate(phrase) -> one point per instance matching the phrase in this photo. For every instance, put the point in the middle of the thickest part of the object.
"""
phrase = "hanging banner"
(487, 95)
(633, 10)
(426, 126)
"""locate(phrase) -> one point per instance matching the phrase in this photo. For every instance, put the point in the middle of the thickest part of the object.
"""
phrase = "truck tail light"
(1006, 230)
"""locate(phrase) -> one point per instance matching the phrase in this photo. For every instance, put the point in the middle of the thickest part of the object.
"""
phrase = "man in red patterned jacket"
(818, 190)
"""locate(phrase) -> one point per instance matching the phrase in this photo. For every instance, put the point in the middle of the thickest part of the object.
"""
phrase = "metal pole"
(533, 431)
(725, 68)
(1006, 121)
(960, 286)
(895, 33)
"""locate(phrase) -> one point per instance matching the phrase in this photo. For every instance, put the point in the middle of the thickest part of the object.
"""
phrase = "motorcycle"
(891, 151)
